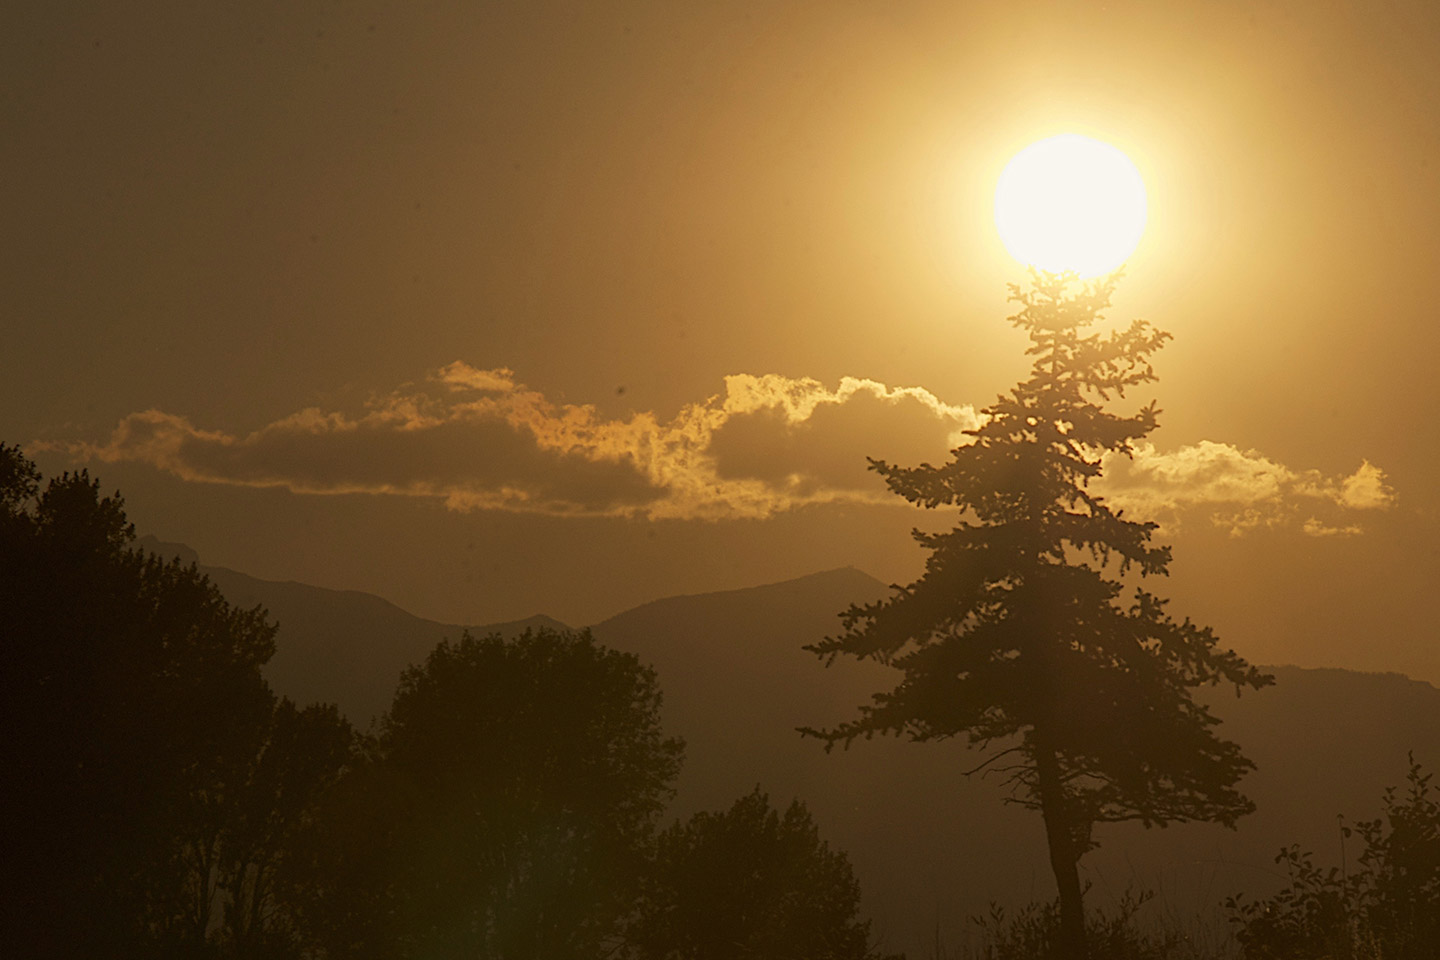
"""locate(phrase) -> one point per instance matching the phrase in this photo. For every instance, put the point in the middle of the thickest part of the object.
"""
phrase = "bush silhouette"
(1033, 933)
(750, 882)
(1386, 906)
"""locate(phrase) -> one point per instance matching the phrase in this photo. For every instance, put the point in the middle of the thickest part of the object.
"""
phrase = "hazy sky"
(495, 309)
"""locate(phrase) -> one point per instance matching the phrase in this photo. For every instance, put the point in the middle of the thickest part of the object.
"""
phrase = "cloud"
(798, 436)
(1366, 489)
(478, 439)
(470, 437)
(1240, 490)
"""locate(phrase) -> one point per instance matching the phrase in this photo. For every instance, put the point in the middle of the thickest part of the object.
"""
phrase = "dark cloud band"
(479, 440)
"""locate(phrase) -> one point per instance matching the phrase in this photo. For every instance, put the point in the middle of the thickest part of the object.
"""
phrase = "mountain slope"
(343, 646)
(338, 646)
(933, 846)
(930, 845)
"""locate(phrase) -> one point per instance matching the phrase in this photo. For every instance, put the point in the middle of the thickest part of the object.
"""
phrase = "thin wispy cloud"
(1240, 490)
(479, 439)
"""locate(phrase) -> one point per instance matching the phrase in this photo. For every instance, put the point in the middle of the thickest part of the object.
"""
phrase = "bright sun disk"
(1070, 203)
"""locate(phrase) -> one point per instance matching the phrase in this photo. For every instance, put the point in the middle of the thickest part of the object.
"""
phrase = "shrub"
(1033, 933)
(1387, 907)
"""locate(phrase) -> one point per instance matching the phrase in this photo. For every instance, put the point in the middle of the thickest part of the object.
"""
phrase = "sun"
(1070, 203)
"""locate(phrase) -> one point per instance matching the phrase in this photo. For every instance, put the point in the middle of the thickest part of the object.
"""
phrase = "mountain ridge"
(930, 845)
(346, 647)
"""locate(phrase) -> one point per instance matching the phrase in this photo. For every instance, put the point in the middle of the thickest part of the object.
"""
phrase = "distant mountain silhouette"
(929, 845)
(338, 646)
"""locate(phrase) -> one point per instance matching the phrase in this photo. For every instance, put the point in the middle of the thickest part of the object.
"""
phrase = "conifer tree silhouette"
(1017, 637)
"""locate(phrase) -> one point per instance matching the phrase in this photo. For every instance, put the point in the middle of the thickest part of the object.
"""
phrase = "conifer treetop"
(1017, 632)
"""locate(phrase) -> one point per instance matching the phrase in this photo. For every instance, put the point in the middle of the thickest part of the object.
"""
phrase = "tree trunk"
(1064, 858)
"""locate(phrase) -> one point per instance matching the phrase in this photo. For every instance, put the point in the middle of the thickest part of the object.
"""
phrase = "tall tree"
(507, 806)
(123, 682)
(1016, 636)
(263, 824)
(152, 779)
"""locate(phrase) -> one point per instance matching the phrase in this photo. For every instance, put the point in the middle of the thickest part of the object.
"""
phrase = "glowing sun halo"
(1070, 203)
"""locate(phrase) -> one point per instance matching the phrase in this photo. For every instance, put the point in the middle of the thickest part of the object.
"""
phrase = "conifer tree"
(1021, 635)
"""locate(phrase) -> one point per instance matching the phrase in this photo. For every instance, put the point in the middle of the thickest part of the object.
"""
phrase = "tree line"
(161, 801)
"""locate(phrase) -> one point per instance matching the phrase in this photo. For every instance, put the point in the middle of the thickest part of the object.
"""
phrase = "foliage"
(1387, 907)
(147, 789)
(1015, 634)
(750, 882)
(1033, 933)
(264, 824)
(506, 806)
(164, 802)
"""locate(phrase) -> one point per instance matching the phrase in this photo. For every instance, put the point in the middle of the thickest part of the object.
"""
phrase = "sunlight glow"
(1070, 203)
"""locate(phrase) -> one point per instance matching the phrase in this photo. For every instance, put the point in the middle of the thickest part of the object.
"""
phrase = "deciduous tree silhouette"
(264, 823)
(507, 807)
(150, 775)
(750, 882)
(1016, 635)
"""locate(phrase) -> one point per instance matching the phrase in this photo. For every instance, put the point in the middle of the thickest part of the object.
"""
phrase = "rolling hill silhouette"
(929, 845)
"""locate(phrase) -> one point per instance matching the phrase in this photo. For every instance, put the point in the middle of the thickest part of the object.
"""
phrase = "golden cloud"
(478, 439)
(1241, 490)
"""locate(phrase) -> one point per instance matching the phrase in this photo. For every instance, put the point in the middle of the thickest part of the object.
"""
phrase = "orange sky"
(219, 220)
